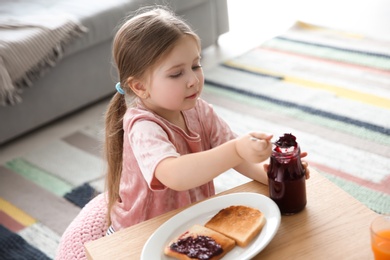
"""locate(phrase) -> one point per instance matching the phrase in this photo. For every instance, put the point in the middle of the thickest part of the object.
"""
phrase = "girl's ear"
(137, 87)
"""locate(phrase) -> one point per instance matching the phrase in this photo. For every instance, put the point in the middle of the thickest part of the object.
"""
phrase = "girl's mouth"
(192, 96)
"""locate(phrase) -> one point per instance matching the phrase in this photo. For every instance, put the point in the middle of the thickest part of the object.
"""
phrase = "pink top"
(148, 139)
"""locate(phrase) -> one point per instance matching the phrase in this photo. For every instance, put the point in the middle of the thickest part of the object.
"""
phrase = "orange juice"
(381, 245)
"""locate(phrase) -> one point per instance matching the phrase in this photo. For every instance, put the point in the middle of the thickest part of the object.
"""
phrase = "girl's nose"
(193, 80)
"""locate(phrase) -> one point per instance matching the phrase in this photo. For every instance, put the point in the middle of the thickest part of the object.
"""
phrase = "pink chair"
(90, 224)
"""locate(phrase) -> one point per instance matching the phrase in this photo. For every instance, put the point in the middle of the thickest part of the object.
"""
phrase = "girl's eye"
(197, 67)
(176, 75)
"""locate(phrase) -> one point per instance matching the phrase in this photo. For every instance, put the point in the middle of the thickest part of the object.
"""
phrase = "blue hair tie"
(119, 89)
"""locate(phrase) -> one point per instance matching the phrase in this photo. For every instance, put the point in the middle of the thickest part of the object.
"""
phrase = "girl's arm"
(192, 170)
(254, 171)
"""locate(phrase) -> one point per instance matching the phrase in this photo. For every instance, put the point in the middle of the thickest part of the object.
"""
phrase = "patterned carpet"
(43, 191)
(329, 88)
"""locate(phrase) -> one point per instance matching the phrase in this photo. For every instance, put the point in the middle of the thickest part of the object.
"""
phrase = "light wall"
(262, 19)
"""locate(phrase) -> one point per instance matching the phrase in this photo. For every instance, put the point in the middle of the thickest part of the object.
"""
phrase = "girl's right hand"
(254, 147)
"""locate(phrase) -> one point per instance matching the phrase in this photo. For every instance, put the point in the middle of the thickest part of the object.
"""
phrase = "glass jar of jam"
(286, 176)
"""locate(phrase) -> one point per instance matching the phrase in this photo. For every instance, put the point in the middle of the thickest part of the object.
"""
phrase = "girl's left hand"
(305, 165)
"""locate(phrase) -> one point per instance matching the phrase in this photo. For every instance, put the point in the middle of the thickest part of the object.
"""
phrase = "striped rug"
(329, 88)
(43, 191)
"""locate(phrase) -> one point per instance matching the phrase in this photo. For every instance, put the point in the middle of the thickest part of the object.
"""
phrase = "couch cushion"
(100, 17)
(180, 5)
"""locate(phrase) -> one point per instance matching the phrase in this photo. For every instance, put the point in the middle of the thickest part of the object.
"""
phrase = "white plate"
(204, 211)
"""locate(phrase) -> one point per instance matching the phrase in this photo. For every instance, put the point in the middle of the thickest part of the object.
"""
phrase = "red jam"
(286, 176)
(286, 141)
(200, 247)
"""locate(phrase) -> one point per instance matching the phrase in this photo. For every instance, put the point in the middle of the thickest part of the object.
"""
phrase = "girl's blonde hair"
(138, 45)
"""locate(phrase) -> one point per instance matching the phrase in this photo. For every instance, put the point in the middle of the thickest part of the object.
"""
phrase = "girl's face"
(176, 81)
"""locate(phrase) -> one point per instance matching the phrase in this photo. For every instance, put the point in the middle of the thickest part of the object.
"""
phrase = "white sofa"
(85, 75)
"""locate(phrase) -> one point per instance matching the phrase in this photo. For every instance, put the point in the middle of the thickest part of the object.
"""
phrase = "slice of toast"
(241, 223)
(219, 242)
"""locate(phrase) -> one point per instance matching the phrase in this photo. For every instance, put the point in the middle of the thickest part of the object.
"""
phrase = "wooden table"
(333, 225)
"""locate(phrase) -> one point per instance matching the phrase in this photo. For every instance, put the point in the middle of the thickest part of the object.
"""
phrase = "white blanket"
(29, 45)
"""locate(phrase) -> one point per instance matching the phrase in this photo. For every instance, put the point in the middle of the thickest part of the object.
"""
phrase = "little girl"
(164, 144)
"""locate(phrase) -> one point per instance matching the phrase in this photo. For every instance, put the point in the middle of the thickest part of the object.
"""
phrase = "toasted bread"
(196, 231)
(240, 223)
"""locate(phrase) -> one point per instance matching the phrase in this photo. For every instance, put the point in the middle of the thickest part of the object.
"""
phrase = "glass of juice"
(380, 237)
